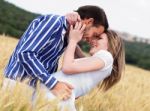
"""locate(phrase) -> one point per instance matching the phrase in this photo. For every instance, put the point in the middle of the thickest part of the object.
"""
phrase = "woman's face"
(99, 43)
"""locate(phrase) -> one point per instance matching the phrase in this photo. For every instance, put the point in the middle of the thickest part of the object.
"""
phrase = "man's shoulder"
(51, 16)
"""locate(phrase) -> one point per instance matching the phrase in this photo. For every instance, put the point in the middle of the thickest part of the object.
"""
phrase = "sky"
(132, 16)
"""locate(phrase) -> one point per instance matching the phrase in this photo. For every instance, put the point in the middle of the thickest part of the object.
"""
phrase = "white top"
(84, 82)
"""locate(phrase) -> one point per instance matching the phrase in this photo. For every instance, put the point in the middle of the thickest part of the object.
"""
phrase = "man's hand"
(62, 90)
(73, 17)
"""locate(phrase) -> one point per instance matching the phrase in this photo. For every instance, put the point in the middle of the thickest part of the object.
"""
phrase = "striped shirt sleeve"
(36, 38)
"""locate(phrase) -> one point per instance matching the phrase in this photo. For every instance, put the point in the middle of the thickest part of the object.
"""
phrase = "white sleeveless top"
(84, 82)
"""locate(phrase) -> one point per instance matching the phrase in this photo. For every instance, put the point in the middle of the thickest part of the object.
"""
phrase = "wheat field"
(130, 94)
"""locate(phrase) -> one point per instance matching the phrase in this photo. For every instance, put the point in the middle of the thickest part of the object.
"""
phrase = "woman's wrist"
(71, 41)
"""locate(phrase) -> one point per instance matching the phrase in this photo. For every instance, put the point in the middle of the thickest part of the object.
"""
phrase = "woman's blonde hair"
(116, 48)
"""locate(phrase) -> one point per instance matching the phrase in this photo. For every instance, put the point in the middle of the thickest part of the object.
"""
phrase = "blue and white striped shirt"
(38, 51)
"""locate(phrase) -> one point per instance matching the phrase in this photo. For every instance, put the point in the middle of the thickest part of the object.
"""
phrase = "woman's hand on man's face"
(76, 32)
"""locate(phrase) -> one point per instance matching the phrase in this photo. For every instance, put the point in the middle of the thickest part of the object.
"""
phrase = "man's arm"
(37, 37)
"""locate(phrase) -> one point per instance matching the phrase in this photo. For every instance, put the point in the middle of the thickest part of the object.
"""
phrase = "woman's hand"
(76, 32)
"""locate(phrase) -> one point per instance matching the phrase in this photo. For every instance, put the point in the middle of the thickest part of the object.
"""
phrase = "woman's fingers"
(79, 26)
(71, 27)
(83, 27)
(76, 25)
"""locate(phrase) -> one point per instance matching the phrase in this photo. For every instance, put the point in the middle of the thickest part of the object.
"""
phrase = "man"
(39, 49)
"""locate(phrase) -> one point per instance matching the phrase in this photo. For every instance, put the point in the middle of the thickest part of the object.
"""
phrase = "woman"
(105, 65)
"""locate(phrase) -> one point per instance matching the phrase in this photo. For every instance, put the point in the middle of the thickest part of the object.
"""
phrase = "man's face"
(91, 32)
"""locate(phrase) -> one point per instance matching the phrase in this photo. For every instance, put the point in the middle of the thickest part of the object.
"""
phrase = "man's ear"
(90, 21)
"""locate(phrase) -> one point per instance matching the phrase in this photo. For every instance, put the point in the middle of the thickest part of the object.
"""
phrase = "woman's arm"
(72, 65)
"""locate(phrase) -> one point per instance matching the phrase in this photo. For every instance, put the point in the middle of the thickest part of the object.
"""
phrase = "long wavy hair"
(116, 48)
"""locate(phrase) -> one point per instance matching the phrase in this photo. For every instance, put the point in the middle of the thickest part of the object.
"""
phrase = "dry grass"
(130, 94)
